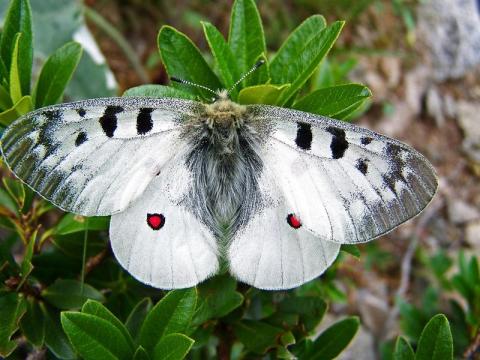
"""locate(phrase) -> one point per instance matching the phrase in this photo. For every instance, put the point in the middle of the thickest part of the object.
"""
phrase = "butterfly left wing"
(323, 183)
(95, 157)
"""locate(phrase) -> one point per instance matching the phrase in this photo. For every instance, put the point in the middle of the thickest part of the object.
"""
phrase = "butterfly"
(191, 187)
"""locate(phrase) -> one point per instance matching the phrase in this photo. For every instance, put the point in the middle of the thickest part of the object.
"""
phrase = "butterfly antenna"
(255, 67)
(186, 82)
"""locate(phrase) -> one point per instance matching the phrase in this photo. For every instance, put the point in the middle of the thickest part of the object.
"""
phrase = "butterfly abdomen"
(225, 164)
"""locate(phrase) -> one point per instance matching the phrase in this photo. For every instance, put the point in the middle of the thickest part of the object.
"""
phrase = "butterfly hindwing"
(95, 157)
(158, 239)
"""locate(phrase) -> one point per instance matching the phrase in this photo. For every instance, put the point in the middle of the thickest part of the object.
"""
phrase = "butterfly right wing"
(95, 157)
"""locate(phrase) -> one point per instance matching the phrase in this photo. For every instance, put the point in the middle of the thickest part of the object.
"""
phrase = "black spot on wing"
(81, 138)
(396, 166)
(362, 166)
(304, 136)
(109, 120)
(144, 121)
(81, 112)
(339, 144)
(365, 140)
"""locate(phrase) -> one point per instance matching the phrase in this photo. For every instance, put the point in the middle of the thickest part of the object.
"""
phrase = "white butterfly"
(274, 192)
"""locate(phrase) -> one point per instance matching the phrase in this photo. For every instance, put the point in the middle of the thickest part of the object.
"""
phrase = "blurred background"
(419, 58)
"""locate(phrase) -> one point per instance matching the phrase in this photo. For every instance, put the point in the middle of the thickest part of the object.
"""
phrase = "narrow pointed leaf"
(335, 339)
(262, 94)
(246, 38)
(137, 316)
(333, 100)
(56, 74)
(94, 337)
(436, 340)
(23, 106)
(158, 91)
(172, 314)
(172, 347)
(33, 323)
(224, 58)
(302, 54)
(403, 350)
(183, 60)
(12, 308)
(18, 20)
(55, 338)
(14, 80)
(93, 307)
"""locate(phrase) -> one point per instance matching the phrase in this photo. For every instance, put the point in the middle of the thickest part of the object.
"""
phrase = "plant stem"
(119, 39)
(84, 256)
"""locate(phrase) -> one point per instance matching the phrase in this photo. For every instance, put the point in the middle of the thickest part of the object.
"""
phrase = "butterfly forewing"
(95, 157)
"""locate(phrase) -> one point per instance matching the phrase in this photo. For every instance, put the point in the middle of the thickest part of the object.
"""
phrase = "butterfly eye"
(155, 221)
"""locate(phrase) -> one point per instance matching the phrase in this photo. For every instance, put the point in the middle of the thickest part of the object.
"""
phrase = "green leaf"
(5, 100)
(217, 297)
(310, 308)
(14, 80)
(141, 354)
(56, 74)
(172, 314)
(32, 324)
(95, 308)
(18, 20)
(137, 316)
(301, 53)
(158, 91)
(257, 336)
(72, 223)
(26, 266)
(23, 106)
(333, 100)
(69, 294)
(183, 60)
(15, 189)
(12, 308)
(224, 58)
(403, 350)
(55, 339)
(262, 94)
(172, 347)
(351, 249)
(335, 339)
(436, 340)
(246, 38)
(94, 337)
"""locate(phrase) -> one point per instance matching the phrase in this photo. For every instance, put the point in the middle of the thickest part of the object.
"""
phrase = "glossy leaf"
(18, 20)
(335, 339)
(171, 314)
(246, 38)
(302, 52)
(26, 267)
(158, 91)
(55, 339)
(217, 297)
(141, 354)
(224, 58)
(172, 347)
(262, 94)
(12, 308)
(23, 106)
(403, 350)
(137, 316)
(14, 80)
(257, 336)
(94, 337)
(310, 308)
(183, 60)
(95, 308)
(436, 341)
(56, 73)
(33, 323)
(72, 223)
(69, 294)
(15, 189)
(333, 100)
